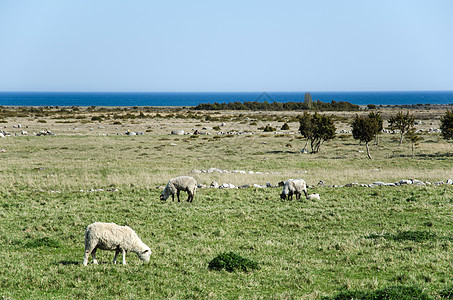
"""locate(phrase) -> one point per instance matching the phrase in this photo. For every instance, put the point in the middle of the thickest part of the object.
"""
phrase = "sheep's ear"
(145, 251)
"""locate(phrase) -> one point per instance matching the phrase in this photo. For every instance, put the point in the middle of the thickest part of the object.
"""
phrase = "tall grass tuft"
(231, 261)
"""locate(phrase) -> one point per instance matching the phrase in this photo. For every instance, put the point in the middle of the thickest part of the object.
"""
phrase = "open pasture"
(352, 239)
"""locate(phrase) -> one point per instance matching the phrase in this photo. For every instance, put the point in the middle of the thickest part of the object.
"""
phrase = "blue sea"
(194, 98)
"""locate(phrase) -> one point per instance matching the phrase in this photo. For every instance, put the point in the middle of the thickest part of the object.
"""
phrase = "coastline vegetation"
(279, 106)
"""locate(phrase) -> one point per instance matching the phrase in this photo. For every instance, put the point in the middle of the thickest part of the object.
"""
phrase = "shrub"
(285, 126)
(96, 118)
(230, 261)
(269, 128)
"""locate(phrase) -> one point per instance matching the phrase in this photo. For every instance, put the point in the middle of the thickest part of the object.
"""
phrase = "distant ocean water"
(193, 98)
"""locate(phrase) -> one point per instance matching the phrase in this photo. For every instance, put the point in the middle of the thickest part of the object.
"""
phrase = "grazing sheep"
(294, 187)
(109, 236)
(178, 184)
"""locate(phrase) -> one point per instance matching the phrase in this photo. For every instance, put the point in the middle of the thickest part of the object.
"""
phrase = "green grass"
(350, 240)
(352, 243)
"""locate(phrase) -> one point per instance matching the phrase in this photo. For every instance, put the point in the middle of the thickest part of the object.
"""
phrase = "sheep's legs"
(117, 251)
(85, 258)
(93, 254)
(177, 194)
(124, 257)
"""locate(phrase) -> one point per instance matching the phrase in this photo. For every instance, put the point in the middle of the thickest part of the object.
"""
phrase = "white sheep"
(178, 184)
(294, 187)
(109, 236)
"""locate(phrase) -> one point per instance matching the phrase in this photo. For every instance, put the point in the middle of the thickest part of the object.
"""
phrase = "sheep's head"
(164, 195)
(145, 255)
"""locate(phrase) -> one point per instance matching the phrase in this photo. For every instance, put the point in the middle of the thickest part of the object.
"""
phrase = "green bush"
(269, 128)
(285, 126)
(96, 118)
(230, 261)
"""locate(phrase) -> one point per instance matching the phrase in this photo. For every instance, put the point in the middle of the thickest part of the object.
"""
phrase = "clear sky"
(226, 45)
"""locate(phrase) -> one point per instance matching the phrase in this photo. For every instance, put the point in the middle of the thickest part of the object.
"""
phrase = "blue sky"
(247, 45)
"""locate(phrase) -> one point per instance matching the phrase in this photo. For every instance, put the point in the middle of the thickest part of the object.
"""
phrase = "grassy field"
(351, 241)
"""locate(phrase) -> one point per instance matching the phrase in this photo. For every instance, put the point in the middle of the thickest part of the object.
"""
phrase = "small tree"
(317, 129)
(414, 138)
(402, 122)
(446, 125)
(364, 129)
(378, 123)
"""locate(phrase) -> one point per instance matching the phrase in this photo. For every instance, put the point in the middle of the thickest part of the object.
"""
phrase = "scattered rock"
(227, 186)
(245, 186)
(418, 182)
(177, 132)
(214, 184)
(402, 182)
(45, 132)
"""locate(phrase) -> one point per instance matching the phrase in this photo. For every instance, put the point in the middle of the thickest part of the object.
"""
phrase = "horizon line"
(233, 92)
